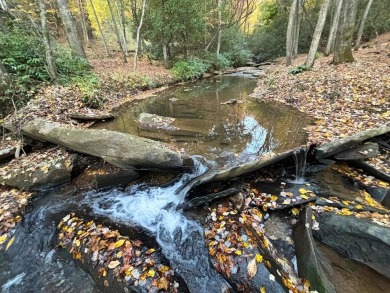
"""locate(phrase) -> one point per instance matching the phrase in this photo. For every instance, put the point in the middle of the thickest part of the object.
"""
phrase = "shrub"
(189, 69)
(298, 69)
(217, 62)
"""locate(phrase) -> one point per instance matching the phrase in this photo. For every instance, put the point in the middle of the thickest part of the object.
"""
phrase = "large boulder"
(358, 239)
(122, 150)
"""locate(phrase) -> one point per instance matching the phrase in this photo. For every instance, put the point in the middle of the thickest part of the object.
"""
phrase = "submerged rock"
(122, 150)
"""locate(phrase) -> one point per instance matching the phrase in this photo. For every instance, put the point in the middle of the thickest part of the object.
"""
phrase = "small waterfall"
(155, 209)
(300, 165)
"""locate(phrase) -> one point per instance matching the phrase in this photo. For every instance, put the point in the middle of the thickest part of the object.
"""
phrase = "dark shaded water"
(216, 130)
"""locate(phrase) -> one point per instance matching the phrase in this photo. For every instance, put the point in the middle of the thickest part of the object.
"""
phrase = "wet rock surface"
(122, 150)
(358, 239)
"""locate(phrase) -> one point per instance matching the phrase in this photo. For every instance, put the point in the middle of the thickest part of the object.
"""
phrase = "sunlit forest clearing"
(194, 146)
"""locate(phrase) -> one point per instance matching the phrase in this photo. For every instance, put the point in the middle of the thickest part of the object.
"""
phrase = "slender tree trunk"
(100, 28)
(317, 34)
(117, 31)
(138, 40)
(51, 66)
(165, 54)
(83, 21)
(297, 28)
(121, 21)
(333, 28)
(361, 27)
(3, 74)
(74, 40)
(345, 30)
(219, 26)
(290, 33)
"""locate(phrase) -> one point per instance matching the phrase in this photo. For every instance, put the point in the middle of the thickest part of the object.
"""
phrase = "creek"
(227, 128)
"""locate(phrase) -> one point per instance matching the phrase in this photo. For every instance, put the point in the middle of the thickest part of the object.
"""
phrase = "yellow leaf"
(259, 258)
(359, 206)
(119, 243)
(252, 268)
(3, 238)
(274, 197)
(304, 196)
(113, 264)
(295, 211)
(262, 289)
(151, 273)
(238, 252)
(302, 191)
(10, 242)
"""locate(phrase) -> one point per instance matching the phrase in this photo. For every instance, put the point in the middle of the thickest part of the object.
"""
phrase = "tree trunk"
(51, 66)
(83, 21)
(117, 31)
(165, 54)
(3, 74)
(121, 21)
(333, 28)
(138, 45)
(74, 40)
(219, 26)
(345, 30)
(361, 27)
(290, 33)
(298, 14)
(100, 28)
(317, 34)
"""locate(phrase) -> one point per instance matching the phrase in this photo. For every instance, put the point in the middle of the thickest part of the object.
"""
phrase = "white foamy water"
(155, 209)
(12, 282)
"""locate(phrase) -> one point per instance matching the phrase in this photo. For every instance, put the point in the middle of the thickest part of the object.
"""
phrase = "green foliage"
(21, 55)
(69, 66)
(190, 69)
(217, 62)
(235, 47)
(298, 69)
(89, 86)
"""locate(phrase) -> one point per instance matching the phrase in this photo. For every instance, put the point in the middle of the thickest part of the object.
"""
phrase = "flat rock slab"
(122, 150)
(7, 153)
(309, 266)
(42, 175)
(361, 152)
(90, 116)
(358, 239)
(332, 148)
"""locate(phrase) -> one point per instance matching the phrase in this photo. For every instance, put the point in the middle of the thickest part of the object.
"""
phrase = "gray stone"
(331, 148)
(58, 173)
(358, 239)
(122, 150)
(90, 116)
(160, 126)
(361, 152)
(7, 153)
(309, 266)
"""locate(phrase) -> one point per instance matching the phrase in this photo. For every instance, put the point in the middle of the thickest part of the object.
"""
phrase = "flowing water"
(226, 134)
(300, 157)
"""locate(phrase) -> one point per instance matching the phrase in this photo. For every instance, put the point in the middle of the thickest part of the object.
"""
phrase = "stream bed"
(222, 127)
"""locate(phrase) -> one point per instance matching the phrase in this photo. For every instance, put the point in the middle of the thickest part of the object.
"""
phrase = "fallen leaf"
(10, 242)
(252, 268)
(113, 264)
